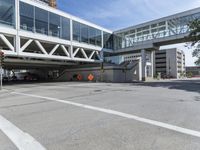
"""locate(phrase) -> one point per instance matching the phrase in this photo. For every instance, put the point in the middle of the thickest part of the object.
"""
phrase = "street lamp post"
(1, 69)
(1, 77)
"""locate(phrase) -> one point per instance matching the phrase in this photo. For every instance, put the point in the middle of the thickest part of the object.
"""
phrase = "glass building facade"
(41, 21)
(86, 34)
(36, 20)
(7, 12)
(108, 42)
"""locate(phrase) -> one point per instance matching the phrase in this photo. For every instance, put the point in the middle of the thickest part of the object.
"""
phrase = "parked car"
(25, 76)
(5, 78)
(31, 77)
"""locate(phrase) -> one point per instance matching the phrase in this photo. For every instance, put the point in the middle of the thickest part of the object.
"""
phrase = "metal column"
(143, 66)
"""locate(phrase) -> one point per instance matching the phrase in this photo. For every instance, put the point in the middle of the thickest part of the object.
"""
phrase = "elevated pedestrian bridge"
(164, 31)
(32, 33)
(36, 33)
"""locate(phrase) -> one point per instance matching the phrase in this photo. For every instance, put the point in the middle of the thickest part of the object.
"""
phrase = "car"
(25, 76)
(5, 78)
(31, 77)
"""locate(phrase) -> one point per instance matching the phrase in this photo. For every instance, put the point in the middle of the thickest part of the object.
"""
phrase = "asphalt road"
(101, 116)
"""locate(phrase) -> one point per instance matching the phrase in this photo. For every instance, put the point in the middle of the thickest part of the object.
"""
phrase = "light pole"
(1, 77)
(1, 69)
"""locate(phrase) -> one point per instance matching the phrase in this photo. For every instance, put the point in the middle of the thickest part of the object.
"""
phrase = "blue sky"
(117, 14)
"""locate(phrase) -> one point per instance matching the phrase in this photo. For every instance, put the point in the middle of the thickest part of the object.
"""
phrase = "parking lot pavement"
(101, 116)
(5, 143)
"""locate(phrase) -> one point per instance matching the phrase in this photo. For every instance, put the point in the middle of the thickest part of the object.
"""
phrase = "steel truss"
(55, 51)
(168, 27)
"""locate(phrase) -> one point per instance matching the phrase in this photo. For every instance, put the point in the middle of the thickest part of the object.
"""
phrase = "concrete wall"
(110, 74)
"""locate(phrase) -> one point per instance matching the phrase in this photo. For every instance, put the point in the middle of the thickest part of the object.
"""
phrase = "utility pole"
(1, 69)
(1, 78)
(169, 68)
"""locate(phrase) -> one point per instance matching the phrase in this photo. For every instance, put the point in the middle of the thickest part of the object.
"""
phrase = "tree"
(194, 37)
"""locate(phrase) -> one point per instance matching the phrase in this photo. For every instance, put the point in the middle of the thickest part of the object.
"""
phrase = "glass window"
(54, 25)
(84, 33)
(65, 28)
(26, 16)
(76, 31)
(7, 12)
(92, 36)
(98, 38)
(41, 21)
(107, 40)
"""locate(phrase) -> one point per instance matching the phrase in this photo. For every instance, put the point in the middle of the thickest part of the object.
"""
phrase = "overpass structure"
(164, 31)
(35, 34)
(138, 43)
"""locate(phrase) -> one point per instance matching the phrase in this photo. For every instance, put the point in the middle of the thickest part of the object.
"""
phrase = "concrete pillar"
(17, 25)
(143, 67)
(102, 55)
(152, 63)
(71, 39)
(140, 69)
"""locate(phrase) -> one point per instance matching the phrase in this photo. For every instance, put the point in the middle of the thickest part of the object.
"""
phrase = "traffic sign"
(90, 77)
(79, 77)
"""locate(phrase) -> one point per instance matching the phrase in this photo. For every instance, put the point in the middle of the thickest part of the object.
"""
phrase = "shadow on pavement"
(186, 85)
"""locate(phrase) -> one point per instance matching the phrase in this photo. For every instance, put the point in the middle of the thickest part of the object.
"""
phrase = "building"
(170, 63)
(34, 35)
(193, 71)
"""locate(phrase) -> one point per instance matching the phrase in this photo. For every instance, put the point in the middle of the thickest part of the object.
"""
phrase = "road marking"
(22, 140)
(121, 114)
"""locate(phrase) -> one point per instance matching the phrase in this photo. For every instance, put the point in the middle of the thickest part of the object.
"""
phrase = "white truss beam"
(91, 55)
(54, 49)
(26, 45)
(98, 55)
(65, 50)
(41, 47)
(5, 40)
(84, 54)
(87, 54)
(76, 51)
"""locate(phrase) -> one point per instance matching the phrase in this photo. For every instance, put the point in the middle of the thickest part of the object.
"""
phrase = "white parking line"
(121, 114)
(22, 140)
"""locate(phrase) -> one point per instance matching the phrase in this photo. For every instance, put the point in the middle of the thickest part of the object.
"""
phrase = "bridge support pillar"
(143, 66)
(152, 64)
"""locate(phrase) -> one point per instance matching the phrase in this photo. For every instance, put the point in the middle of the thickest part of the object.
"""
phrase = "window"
(162, 23)
(92, 35)
(98, 38)
(84, 33)
(65, 28)
(107, 40)
(76, 31)
(7, 12)
(54, 25)
(153, 25)
(26, 17)
(41, 21)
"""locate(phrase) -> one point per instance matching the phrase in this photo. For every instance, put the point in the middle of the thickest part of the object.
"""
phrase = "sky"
(118, 14)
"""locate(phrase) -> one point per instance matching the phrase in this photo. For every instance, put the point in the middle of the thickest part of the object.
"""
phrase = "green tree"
(194, 38)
